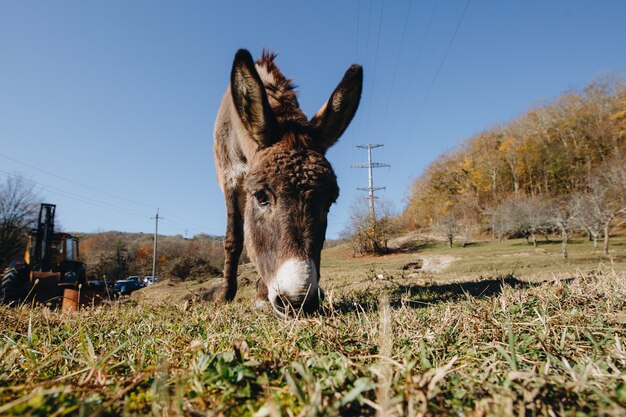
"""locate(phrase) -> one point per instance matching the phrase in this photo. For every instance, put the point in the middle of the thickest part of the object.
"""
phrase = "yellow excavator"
(50, 265)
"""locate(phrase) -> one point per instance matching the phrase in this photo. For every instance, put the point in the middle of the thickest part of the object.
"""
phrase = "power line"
(76, 183)
(372, 83)
(95, 202)
(395, 70)
(411, 129)
(418, 56)
(77, 197)
(361, 120)
(443, 60)
(186, 226)
(185, 221)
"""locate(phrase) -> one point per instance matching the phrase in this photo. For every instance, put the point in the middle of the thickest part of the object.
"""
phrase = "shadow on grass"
(416, 246)
(474, 244)
(411, 247)
(417, 296)
(555, 242)
(539, 243)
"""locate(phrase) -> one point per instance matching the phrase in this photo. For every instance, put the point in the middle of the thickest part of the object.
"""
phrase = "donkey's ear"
(337, 113)
(250, 99)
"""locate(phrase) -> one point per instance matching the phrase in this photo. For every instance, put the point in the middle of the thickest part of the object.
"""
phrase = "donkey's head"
(290, 184)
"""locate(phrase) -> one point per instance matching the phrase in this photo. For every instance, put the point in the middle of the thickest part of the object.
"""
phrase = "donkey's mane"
(280, 90)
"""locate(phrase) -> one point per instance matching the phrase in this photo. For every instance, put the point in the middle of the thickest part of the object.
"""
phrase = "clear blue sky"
(120, 96)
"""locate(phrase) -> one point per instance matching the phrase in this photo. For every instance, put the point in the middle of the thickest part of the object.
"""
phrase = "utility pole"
(369, 165)
(156, 238)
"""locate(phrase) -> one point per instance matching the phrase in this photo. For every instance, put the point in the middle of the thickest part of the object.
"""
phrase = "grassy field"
(495, 328)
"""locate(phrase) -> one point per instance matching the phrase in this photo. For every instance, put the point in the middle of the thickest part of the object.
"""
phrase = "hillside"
(569, 148)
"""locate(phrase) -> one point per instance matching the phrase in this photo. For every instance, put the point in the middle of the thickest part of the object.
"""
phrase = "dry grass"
(386, 347)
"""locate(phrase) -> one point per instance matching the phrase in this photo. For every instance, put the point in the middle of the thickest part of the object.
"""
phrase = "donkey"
(277, 183)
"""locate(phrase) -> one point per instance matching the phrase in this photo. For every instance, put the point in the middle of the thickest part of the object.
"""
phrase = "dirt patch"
(413, 266)
(436, 263)
(427, 264)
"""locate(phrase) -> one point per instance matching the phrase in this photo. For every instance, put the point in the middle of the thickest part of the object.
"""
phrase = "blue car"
(126, 286)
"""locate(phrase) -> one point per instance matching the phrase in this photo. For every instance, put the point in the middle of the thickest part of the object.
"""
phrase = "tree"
(106, 254)
(192, 267)
(511, 149)
(366, 234)
(484, 148)
(620, 117)
(607, 194)
(18, 213)
(497, 221)
(449, 226)
(589, 219)
(535, 217)
(564, 218)
(521, 216)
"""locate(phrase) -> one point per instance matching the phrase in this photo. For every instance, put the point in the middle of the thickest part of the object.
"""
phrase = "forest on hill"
(117, 255)
(558, 166)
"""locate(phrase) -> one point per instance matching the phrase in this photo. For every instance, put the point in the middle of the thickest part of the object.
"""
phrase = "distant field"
(495, 328)
(483, 258)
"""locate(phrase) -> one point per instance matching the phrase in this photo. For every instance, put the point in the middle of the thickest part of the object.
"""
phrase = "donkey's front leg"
(233, 245)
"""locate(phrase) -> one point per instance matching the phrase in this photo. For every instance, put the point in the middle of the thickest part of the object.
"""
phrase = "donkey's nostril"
(280, 303)
(285, 306)
(321, 293)
(312, 303)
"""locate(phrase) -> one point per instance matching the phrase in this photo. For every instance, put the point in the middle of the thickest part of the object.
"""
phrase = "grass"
(482, 259)
(417, 345)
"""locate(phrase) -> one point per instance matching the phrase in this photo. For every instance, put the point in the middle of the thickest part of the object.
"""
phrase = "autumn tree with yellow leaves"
(553, 152)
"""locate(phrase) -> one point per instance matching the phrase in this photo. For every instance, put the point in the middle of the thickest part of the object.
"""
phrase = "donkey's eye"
(262, 198)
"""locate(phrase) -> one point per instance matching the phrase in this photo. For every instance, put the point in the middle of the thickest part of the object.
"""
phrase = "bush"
(191, 267)
(369, 235)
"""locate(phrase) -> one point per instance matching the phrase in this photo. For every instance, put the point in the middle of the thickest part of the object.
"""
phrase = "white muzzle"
(294, 282)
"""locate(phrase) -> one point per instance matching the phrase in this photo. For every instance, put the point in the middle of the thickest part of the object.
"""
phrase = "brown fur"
(271, 167)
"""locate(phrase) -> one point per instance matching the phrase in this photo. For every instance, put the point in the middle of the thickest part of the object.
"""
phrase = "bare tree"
(521, 216)
(450, 226)
(530, 216)
(368, 235)
(607, 194)
(18, 211)
(498, 221)
(589, 219)
(564, 218)
(467, 229)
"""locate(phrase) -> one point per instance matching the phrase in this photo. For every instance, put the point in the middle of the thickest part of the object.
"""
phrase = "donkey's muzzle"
(294, 289)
